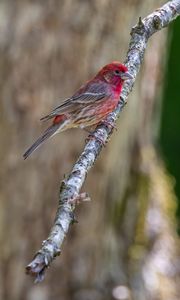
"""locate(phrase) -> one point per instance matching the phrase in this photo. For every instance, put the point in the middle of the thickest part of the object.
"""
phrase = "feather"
(86, 96)
(47, 134)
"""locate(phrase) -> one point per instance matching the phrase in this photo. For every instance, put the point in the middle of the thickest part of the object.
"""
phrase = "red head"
(114, 73)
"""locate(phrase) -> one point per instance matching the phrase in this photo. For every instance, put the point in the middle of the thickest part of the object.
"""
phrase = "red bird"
(89, 105)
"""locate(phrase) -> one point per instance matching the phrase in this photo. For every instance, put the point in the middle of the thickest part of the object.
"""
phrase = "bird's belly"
(93, 115)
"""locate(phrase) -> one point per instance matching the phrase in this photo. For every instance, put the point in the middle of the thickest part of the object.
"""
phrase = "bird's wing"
(85, 96)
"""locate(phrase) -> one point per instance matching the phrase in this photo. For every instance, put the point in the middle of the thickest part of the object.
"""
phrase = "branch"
(70, 188)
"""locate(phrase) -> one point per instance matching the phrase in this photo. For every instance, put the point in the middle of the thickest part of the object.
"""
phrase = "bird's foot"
(108, 124)
(92, 136)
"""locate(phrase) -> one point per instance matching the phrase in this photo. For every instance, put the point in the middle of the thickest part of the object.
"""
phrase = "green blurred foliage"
(170, 123)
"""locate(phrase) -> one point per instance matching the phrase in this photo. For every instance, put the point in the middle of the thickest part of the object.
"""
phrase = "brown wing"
(85, 96)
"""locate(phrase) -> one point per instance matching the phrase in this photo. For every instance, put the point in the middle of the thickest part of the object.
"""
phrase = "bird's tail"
(47, 134)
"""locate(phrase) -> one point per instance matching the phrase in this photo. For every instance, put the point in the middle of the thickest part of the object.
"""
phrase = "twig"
(70, 188)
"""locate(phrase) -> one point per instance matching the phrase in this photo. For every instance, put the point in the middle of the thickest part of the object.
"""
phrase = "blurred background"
(125, 245)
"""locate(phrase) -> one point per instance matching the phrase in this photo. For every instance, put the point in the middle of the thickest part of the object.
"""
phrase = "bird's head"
(114, 73)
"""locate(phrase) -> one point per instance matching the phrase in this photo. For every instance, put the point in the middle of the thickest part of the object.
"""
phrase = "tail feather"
(48, 133)
(48, 117)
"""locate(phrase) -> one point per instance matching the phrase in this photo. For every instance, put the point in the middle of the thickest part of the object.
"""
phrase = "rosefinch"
(89, 105)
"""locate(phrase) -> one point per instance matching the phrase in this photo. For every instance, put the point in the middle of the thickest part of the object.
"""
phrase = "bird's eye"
(117, 72)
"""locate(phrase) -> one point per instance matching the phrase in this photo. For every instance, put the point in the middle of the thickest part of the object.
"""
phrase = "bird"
(89, 105)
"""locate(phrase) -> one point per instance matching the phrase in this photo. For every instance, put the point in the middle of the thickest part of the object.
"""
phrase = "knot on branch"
(122, 101)
(139, 28)
(157, 22)
(82, 197)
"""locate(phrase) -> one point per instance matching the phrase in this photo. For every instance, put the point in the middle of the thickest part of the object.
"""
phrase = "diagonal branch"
(70, 188)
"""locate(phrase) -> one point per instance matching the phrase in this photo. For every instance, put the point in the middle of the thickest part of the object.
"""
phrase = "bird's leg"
(92, 136)
(109, 124)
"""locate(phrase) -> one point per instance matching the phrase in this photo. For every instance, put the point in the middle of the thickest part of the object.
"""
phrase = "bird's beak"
(126, 76)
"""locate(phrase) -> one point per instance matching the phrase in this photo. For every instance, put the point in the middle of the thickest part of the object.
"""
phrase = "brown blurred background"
(125, 244)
